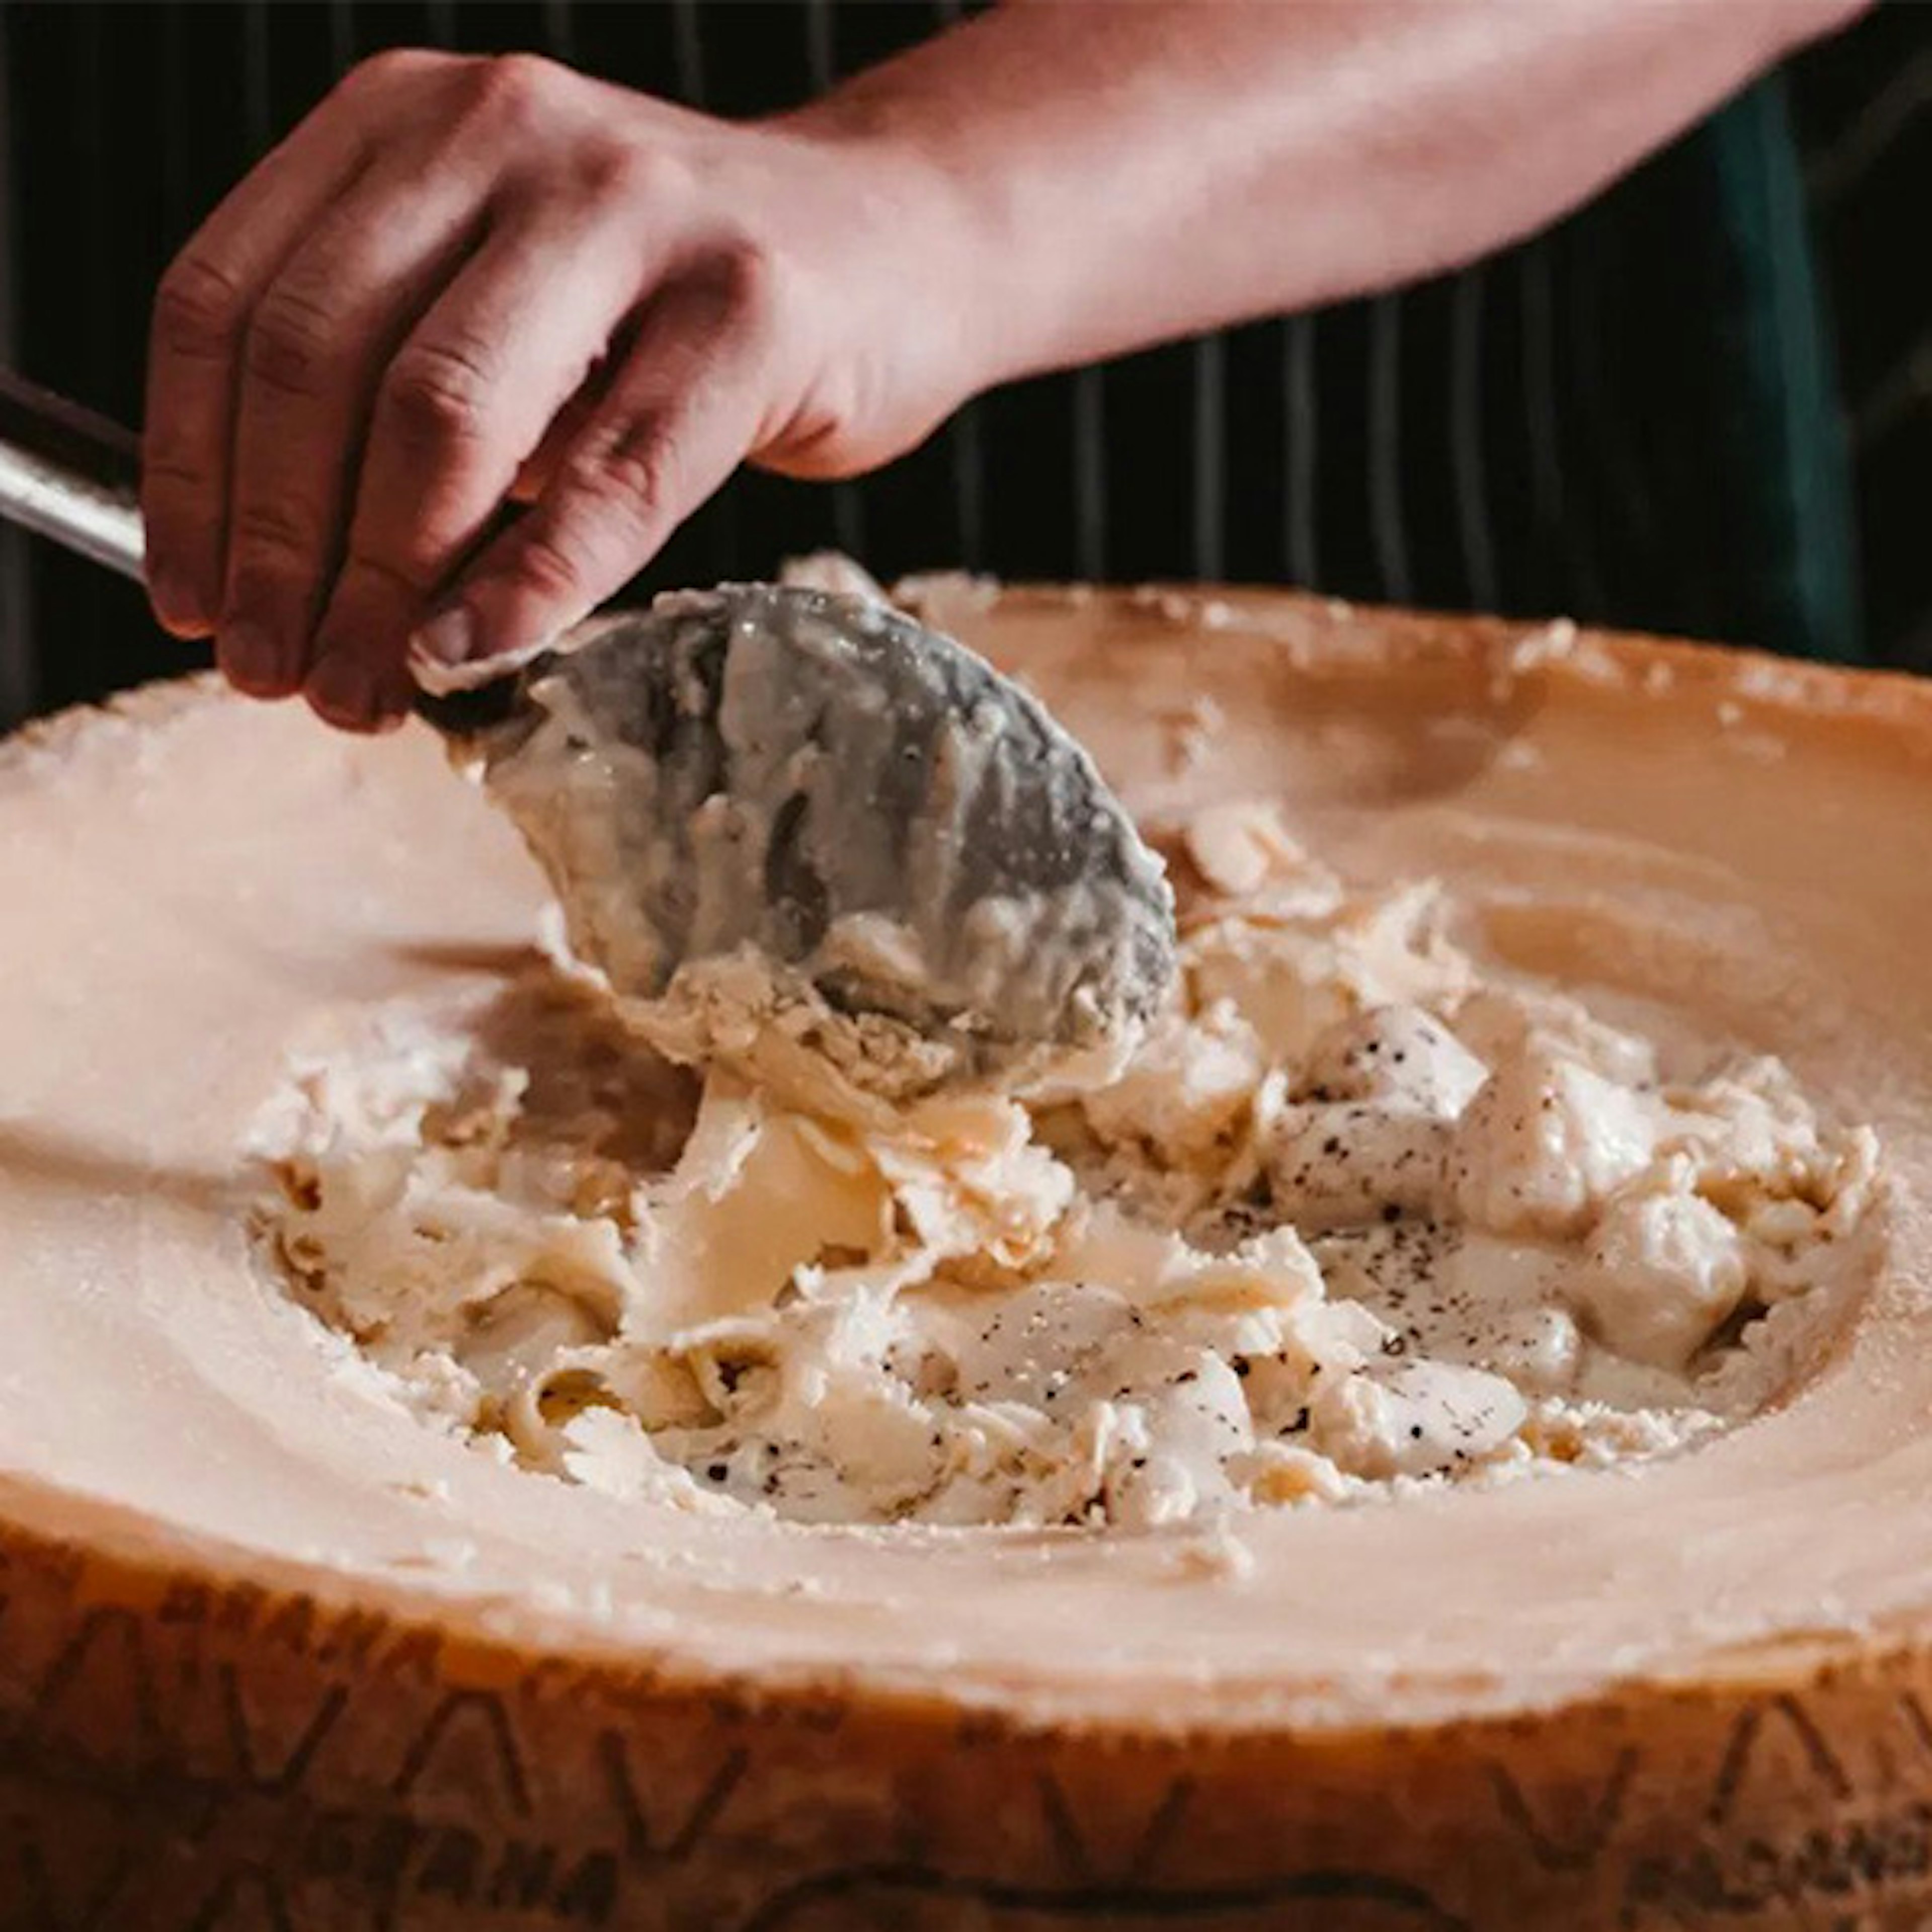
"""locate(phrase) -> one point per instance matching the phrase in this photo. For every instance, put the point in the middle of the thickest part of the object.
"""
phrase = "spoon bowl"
(816, 780)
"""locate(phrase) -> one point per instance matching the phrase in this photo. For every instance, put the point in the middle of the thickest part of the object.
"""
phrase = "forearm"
(461, 279)
(1135, 171)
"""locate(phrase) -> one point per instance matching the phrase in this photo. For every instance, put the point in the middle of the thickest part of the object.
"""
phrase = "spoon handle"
(71, 475)
(74, 476)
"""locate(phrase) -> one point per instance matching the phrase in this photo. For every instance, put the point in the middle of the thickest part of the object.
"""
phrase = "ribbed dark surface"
(1482, 442)
(17, 679)
(1865, 114)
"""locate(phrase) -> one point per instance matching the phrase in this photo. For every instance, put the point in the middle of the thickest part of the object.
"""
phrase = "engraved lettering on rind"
(79, 1901)
(233, 1609)
(1912, 1709)
(292, 1626)
(454, 1726)
(246, 1896)
(57, 1565)
(1075, 1843)
(589, 1896)
(522, 1877)
(1578, 1845)
(287, 1776)
(185, 1601)
(1067, 1841)
(698, 1822)
(416, 1653)
(237, 1608)
(351, 1638)
(328, 1849)
(1888, 1854)
(1746, 1742)
(1161, 1826)
(972, 1729)
(108, 1638)
(394, 1855)
(450, 1866)
(390, 1845)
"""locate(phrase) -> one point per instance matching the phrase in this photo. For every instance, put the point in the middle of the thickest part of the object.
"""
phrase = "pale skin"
(462, 285)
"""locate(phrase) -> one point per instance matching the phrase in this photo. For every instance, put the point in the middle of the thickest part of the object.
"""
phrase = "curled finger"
(687, 404)
(201, 315)
(462, 405)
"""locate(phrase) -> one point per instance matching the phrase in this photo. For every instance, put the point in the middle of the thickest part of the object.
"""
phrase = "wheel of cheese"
(275, 1654)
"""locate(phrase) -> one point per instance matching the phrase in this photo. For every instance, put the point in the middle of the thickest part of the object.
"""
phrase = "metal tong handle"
(71, 475)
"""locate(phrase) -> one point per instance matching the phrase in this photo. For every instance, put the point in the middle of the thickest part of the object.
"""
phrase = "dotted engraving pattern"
(221, 1760)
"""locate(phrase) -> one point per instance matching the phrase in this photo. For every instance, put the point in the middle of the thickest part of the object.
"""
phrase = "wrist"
(947, 211)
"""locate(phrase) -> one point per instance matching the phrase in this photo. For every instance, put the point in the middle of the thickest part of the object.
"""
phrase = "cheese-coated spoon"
(808, 779)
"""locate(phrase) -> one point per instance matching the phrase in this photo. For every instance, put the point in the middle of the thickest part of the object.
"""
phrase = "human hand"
(460, 282)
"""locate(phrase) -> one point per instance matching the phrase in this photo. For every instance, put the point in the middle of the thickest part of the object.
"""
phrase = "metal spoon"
(861, 802)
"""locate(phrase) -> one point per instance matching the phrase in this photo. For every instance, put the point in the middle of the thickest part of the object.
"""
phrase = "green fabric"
(1786, 415)
(1707, 395)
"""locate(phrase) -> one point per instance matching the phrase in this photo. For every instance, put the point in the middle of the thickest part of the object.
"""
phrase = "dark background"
(123, 123)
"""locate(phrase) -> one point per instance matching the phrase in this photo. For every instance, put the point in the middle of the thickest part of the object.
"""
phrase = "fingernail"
(249, 657)
(341, 690)
(173, 598)
(448, 639)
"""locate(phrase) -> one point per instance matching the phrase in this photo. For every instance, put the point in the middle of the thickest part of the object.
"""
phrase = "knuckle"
(199, 306)
(392, 67)
(292, 341)
(633, 474)
(621, 173)
(435, 393)
(547, 564)
(268, 529)
(745, 287)
(393, 577)
(748, 277)
(517, 87)
(168, 481)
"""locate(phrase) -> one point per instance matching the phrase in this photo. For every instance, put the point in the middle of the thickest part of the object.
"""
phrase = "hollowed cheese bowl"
(272, 1655)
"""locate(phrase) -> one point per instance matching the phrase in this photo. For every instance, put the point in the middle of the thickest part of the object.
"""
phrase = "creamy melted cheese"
(799, 836)
(1362, 1213)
